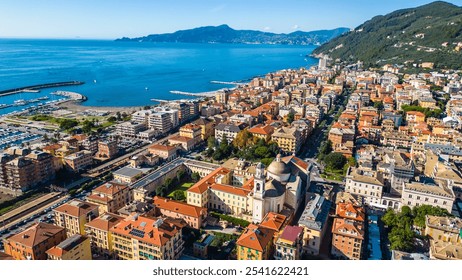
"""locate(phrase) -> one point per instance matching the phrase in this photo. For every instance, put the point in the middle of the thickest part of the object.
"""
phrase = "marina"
(11, 137)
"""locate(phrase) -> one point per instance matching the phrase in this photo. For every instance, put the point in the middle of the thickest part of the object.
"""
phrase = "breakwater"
(34, 88)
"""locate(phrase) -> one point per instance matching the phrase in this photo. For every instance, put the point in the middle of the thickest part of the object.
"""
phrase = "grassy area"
(333, 177)
(231, 219)
(183, 187)
(19, 201)
(6, 209)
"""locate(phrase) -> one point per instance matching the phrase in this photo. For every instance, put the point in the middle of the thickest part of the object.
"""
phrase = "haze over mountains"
(429, 33)
(225, 34)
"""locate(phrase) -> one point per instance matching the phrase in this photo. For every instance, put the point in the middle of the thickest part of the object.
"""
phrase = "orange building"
(255, 243)
(143, 238)
(262, 131)
(348, 231)
(32, 243)
(110, 197)
(194, 216)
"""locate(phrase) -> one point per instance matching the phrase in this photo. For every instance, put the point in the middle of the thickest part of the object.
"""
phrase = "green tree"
(67, 124)
(243, 139)
(211, 142)
(262, 152)
(178, 195)
(335, 161)
(195, 176)
(290, 117)
(378, 105)
(112, 119)
(161, 190)
(326, 148)
(352, 161)
(179, 175)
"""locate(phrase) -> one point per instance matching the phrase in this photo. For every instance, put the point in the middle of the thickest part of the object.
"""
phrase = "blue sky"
(108, 19)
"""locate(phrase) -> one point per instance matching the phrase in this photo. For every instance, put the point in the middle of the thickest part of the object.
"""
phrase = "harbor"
(36, 88)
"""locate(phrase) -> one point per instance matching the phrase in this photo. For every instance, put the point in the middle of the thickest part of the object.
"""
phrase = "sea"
(133, 73)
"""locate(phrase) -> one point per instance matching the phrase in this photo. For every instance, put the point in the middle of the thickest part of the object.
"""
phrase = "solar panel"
(137, 233)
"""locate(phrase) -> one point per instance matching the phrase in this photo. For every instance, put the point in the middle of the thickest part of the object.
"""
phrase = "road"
(38, 214)
(121, 160)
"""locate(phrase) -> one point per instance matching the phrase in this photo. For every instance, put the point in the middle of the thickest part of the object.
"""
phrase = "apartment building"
(74, 214)
(438, 194)
(100, 235)
(313, 221)
(288, 139)
(76, 247)
(107, 148)
(143, 238)
(194, 216)
(78, 161)
(289, 244)
(110, 197)
(255, 243)
(368, 184)
(33, 242)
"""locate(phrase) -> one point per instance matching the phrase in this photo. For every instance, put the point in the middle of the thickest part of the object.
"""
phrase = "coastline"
(76, 105)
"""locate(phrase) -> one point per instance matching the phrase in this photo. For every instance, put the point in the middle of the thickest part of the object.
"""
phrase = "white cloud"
(266, 28)
(295, 26)
(217, 9)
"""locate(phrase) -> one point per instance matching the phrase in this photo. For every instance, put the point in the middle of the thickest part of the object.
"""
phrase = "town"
(330, 162)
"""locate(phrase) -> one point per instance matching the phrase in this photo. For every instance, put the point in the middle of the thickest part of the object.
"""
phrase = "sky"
(110, 19)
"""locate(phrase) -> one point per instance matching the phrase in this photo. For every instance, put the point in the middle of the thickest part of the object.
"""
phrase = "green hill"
(429, 33)
(225, 34)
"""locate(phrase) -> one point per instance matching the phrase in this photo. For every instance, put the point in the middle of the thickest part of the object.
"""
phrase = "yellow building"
(288, 139)
(446, 229)
(255, 243)
(110, 197)
(192, 131)
(74, 215)
(143, 238)
(98, 231)
(262, 131)
(207, 128)
(76, 247)
(215, 191)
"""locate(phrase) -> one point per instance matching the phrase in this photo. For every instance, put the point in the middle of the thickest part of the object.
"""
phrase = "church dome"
(274, 188)
(278, 167)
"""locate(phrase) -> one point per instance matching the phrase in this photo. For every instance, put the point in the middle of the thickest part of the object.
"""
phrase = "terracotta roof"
(415, 113)
(350, 211)
(80, 137)
(76, 208)
(348, 227)
(35, 234)
(105, 221)
(162, 147)
(208, 180)
(109, 188)
(96, 197)
(178, 207)
(150, 230)
(230, 189)
(52, 147)
(262, 129)
(180, 139)
(273, 221)
(5, 257)
(255, 237)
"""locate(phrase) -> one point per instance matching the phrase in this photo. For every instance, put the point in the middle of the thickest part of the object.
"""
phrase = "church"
(280, 187)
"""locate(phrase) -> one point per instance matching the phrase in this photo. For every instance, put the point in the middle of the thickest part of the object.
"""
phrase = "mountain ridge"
(428, 33)
(225, 34)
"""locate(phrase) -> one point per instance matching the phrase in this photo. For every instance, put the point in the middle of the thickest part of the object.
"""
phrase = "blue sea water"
(131, 73)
